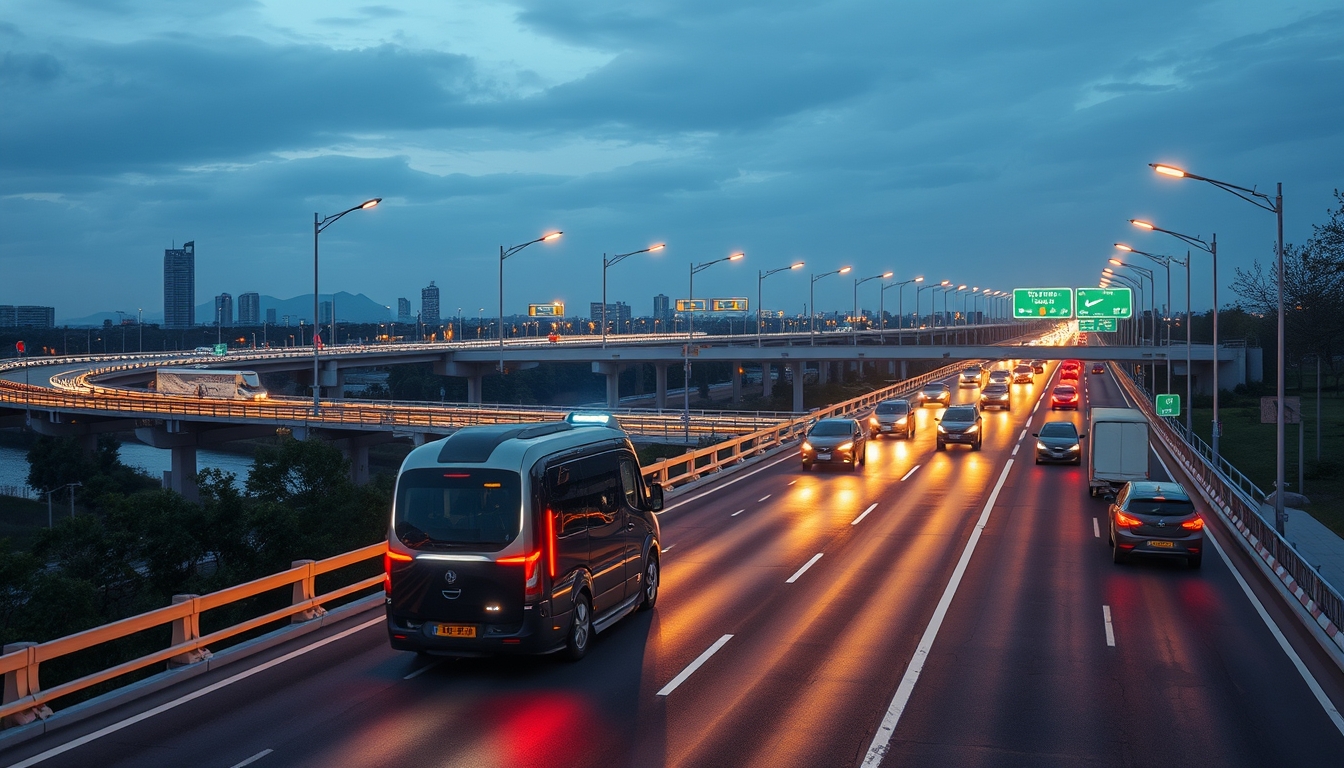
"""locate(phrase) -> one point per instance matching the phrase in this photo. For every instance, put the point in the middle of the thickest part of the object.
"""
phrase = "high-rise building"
(429, 305)
(618, 314)
(224, 310)
(270, 317)
(662, 310)
(404, 311)
(249, 309)
(27, 317)
(324, 313)
(179, 286)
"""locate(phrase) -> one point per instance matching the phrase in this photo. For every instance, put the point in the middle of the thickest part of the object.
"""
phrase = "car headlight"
(901, 420)
(973, 428)
(942, 430)
(807, 447)
(845, 446)
(1041, 446)
(1073, 447)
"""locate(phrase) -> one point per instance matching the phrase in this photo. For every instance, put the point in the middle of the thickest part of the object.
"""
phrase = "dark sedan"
(892, 417)
(1058, 441)
(960, 424)
(995, 396)
(836, 441)
(936, 392)
(1038, 366)
(1156, 518)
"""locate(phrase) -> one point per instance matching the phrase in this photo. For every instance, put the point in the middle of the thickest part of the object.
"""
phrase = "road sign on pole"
(1105, 302)
(691, 305)
(1036, 303)
(221, 350)
(1096, 324)
(728, 305)
(554, 309)
(1168, 405)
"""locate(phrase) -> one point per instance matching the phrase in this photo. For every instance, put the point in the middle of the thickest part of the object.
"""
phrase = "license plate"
(455, 630)
(823, 457)
(1162, 544)
(886, 427)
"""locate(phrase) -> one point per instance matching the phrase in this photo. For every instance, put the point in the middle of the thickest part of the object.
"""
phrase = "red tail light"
(388, 558)
(531, 571)
(1194, 525)
(551, 544)
(1125, 521)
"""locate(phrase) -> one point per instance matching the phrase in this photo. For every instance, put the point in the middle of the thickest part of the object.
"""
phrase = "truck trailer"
(209, 382)
(1119, 448)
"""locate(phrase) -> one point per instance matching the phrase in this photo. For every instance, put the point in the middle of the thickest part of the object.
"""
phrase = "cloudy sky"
(996, 144)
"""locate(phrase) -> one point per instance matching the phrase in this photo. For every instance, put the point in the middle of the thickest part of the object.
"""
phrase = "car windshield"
(996, 389)
(1023, 369)
(935, 387)
(971, 372)
(1163, 507)
(997, 374)
(832, 429)
(457, 508)
(897, 407)
(960, 413)
(1059, 429)
(1065, 390)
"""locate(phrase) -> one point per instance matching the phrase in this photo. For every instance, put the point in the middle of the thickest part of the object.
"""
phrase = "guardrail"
(1238, 501)
(25, 700)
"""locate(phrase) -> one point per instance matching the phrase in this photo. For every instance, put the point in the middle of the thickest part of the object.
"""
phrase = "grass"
(1249, 446)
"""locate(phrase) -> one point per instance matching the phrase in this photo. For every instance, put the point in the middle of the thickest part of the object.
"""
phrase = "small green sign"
(1036, 303)
(1105, 302)
(1168, 405)
(221, 349)
(1096, 325)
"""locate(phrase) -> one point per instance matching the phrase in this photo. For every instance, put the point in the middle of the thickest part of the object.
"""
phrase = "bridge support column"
(737, 382)
(905, 370)
(474, 373)
(660, 385)
(797, 385)
(474, 385)
(613, 373)
(332, 381)
(823, 373)
(183, 477)
(767, 383)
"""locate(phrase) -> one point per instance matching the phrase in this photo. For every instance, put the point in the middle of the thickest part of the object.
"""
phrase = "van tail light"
(1196, 524)
(390, 557)
(1125, 521)
(551, 544)
(531, 572)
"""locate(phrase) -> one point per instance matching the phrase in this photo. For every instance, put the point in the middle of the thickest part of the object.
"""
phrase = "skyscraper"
(249, 309)
(429, 305)
(270, 317)
(324, 313)
(179, 286)
(224, 310)
(662, 310)
(404, 311)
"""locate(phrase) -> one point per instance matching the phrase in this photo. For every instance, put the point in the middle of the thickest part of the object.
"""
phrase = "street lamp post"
(319, 224)
(505, 253)
(812, 299)
(1274, 206)
(1152, 311)
(1136, 332)
(855, 318)
(900, 309)
(618, 258)
(690, 337)
(932, 298)
(760, 278)
(1166, 262)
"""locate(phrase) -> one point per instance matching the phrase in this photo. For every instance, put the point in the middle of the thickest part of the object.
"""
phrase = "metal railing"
(1237, 500)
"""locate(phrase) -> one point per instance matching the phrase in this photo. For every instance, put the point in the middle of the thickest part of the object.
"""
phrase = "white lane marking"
(253, 758)
(699, 660)
(1310, 679)
(1096, 529)
(423, 669)
(1023, 436)
(791, 482)
(669, 546)
(726, 483)
(882, 739)
(803, 570)
(117, 726)
(859, 519)
(1106, 617)
(1015, 447)
(763, 498)
(1037, 405)
(911, 472)
(738, 512)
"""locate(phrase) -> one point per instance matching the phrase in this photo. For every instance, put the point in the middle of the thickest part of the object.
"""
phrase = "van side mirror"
(656, 496)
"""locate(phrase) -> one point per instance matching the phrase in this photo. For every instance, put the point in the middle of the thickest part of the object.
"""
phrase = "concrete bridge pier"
(737, 381)
(613, 373)
(332, 381)
(660, 385)
(767, 384)
(797, 368)
(356, 450)
(474, 373)
(182, 478)
(823, 373)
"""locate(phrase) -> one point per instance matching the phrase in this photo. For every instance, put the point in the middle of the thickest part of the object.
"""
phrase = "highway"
(796, 609)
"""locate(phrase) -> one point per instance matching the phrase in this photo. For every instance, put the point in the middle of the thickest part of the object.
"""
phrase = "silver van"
(520, 539)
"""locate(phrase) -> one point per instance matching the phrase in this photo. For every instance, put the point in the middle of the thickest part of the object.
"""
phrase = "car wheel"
(651, 576)
(941, 446)
(580, 629)
(863, 460)
(1117, 554)
(1038, 459)
(807, 467)
(976, 447)
(1078, 461)
(1194, 561)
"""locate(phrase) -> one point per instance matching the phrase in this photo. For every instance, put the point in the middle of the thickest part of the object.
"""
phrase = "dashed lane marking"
(1015, 447)
(253, 758)
(694, 665)
(1096, 529)
(803, 570)
(1110, 629)
(423, 669)
(738, 512)
(911, 472)
(763, 498)
(859, 519)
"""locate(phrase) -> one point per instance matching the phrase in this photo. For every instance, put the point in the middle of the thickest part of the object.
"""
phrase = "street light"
(760, 277)
(505, 253)
(900, 309)
(1274, 206)
(932, 299)
(1166, 262)
(1152, 308)
(1136, 285)
(855, 318)
(618, 258)
(812, 299)
(319, 224)
(690, 336)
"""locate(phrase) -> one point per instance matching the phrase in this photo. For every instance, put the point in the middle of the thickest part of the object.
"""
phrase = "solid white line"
(763, 498)
(858, 519)
(911, 472)
(423, 669)
(117, 726)
(738, 512)
(699, 660)
(1096, 529)
(806, 565)
(1110, 630)
(726, 483)
(253, 758)
(1015, 447)
(882, 739)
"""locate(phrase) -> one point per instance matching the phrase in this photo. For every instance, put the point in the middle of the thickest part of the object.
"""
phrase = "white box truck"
(209, 382)
(1119, 448)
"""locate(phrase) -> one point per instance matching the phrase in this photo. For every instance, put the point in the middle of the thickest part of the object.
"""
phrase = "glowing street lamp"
(505, 253)
(855, 317)
(812, 299)
(608, 262)
(760, 277)
(690, 337)
(319, 224)
(900, 308)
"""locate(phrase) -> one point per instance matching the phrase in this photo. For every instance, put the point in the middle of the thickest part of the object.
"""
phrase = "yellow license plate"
(1162, 544)
(455, 630)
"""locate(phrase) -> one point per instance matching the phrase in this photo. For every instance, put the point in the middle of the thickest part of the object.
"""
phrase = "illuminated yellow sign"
(554, 309)
(729, 305)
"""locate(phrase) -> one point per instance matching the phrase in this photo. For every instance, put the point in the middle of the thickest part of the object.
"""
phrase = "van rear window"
(451, 508)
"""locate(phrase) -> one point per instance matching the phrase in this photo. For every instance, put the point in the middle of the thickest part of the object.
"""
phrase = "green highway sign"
(1168, 405)
(1035, 303)
(1105, 302)
(221, 349)
(1096, 324)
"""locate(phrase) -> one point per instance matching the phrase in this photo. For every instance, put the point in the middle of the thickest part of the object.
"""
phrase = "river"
(155, 461)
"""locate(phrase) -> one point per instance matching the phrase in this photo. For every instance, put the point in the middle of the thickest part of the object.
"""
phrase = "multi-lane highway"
(955, 608)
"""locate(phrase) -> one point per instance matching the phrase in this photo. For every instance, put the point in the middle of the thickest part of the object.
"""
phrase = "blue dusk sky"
(990, 143)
